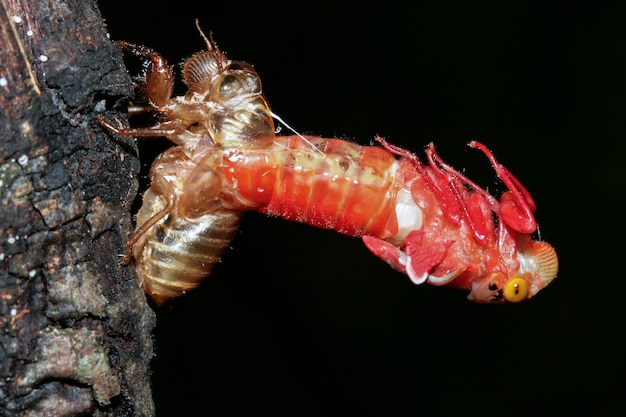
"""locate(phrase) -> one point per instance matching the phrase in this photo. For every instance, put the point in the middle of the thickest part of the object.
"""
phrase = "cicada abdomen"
(328, 183)
(183, 227)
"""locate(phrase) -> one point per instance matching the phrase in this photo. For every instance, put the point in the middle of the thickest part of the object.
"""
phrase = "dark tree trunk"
(75, 329)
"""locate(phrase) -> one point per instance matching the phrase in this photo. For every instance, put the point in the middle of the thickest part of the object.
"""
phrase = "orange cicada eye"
(516, 290)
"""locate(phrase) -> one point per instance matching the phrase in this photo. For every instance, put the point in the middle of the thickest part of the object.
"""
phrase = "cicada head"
(202, 68)
(537, 267)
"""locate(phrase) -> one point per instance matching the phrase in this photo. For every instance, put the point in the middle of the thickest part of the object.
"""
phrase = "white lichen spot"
(43, 58)
(32, 273)
(100, 106)
(3, 82)
(26, 128)
(23, 160)
(17, 19)
(29, 33)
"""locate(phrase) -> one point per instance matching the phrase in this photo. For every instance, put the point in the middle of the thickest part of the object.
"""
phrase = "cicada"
(425, 219)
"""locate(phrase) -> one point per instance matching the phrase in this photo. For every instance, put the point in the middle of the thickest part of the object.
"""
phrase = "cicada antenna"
(210, 43)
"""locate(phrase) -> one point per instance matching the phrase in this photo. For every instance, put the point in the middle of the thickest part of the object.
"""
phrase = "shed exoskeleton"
(183, 226)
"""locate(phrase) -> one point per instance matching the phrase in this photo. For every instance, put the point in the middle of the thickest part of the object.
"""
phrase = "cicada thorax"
(242, 116)
(227, 97)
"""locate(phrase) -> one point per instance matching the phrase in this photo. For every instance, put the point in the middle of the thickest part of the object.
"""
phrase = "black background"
(307, 322)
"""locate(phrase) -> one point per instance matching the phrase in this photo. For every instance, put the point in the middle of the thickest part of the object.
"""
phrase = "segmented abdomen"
(328, 183)
(176, 254)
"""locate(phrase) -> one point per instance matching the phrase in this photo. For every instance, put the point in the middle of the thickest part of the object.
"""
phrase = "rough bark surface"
(75, 329)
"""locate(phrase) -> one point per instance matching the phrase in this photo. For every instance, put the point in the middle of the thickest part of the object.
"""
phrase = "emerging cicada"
(426, 220)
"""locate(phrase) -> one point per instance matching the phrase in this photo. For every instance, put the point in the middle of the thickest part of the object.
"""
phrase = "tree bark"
(75, 328)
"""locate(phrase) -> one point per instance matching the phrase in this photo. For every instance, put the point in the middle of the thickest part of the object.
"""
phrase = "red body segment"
(327, 183)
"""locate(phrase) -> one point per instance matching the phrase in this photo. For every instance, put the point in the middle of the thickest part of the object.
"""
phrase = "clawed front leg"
(159, 77)
(158, 86)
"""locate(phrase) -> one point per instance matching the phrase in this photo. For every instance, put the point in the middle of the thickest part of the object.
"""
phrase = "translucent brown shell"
(202, 68)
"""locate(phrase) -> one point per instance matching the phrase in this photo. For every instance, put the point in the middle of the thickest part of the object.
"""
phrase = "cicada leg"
(165, 190)
(159, 78)
(166, 129)
(516, 205)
